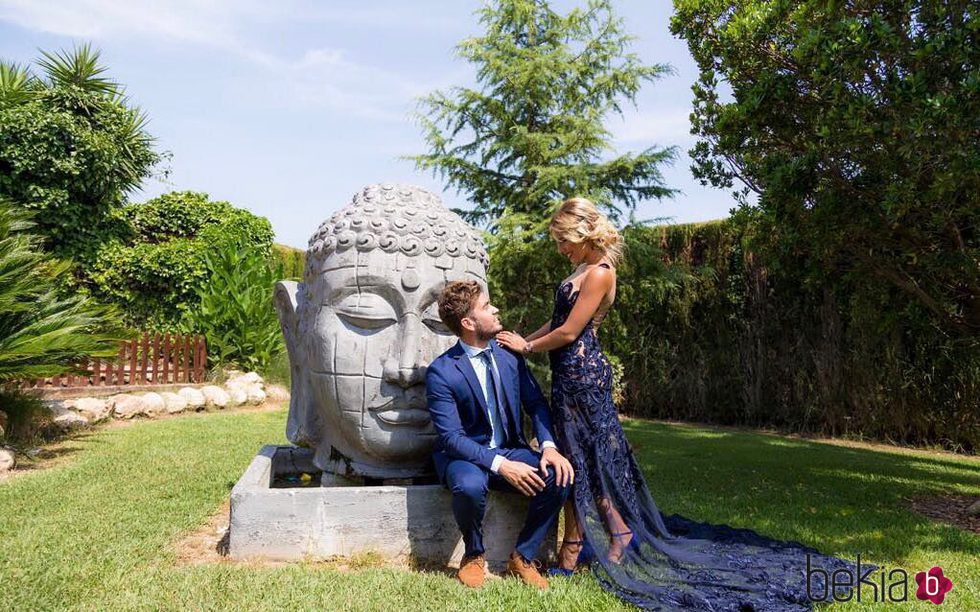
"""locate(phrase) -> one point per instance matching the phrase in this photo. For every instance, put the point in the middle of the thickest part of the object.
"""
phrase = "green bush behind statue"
(707, 329)
(156, 267)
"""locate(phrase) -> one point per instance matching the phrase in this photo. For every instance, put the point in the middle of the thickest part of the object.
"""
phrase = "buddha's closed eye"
(431, 319)
(366, 311)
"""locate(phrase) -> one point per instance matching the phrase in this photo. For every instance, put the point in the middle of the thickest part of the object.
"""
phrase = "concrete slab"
(411, 522)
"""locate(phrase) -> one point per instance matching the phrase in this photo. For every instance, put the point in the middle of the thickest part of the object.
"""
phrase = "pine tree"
(534, 131)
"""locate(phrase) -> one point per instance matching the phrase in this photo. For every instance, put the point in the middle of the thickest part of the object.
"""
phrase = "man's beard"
(485, 334)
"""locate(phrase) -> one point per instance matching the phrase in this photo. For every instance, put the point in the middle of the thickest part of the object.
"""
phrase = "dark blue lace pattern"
(673, 562)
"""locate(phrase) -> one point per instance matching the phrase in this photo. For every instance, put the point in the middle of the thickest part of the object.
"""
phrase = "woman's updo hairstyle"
(577, 220)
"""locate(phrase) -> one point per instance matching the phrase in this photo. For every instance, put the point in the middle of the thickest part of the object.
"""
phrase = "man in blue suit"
(475, 392)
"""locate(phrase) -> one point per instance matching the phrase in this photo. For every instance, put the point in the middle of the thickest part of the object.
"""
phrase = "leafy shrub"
(28, 418)
(235, 310)
(155, 272)
(849, 130)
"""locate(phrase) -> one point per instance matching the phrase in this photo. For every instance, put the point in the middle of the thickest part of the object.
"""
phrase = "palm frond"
(15, 84)
(80, 68)
(43, 332)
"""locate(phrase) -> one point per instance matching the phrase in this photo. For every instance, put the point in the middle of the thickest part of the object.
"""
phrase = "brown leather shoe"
(526, 571)
(473, 571)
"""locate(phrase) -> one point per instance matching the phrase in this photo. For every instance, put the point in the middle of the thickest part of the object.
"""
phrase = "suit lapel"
(464, 366)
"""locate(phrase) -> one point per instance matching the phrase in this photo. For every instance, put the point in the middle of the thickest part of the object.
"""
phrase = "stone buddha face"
(363, 326)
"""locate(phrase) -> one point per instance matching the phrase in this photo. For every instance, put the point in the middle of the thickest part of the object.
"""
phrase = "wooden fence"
(153, 359)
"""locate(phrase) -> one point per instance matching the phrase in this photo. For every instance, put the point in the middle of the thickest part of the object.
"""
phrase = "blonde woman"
(690, 565)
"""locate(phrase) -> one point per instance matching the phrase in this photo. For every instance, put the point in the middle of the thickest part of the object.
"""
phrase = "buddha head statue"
(363, 326)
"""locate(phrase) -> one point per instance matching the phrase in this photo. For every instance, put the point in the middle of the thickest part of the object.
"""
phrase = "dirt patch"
(950, 509)
(209, 544)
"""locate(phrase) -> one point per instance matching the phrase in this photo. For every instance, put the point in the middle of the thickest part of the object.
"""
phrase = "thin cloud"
(320, 78)
(210, 23)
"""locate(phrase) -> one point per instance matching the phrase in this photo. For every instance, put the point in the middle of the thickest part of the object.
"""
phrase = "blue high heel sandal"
(585, 556)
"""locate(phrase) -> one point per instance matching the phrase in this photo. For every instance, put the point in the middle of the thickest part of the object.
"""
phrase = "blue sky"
(288, 108)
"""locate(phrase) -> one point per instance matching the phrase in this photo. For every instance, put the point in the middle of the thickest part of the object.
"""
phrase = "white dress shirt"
(479, 366)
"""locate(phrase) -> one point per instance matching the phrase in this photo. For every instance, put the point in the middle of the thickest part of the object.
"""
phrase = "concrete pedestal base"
(413, 522)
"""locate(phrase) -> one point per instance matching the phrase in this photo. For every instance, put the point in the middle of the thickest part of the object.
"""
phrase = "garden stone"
(194, 398)
(126, 406)
(57, 406)
(255, 394)
(252, 378)
(358, 394)
(93, 408)
(237, 396)
(7, 459)
(67, 420)
(173, 402)
(215, 396)
(277, 393)
(153, 404)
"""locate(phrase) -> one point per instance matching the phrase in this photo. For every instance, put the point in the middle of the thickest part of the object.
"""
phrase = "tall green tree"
(72, 146)
(850, 131)
(43, 333)
(533, 130)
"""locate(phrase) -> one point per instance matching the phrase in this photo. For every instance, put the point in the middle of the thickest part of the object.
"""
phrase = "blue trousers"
(469, 484)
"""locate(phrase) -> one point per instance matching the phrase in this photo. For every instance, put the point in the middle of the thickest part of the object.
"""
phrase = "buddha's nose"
(404, 366)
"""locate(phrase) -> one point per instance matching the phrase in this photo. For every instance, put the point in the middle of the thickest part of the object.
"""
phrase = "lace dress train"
(670, 562)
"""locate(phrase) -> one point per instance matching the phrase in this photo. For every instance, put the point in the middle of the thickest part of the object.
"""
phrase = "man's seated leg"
(468, 483)
(542, 512)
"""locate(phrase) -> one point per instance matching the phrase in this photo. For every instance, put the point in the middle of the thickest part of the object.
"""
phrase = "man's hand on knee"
(564, 474)
(522, 477)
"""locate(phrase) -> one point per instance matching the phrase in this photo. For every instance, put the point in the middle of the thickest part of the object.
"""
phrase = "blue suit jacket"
(459, 409)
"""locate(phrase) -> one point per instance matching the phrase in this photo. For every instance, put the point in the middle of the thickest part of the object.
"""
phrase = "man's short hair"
(456, 300)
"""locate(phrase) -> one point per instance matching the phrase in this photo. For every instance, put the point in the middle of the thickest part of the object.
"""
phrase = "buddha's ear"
(285, 303)
(302, 424)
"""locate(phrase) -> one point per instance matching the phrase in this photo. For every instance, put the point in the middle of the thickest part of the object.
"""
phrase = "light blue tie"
(492, 407)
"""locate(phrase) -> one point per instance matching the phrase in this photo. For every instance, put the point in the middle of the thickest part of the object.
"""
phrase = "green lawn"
(97, 530)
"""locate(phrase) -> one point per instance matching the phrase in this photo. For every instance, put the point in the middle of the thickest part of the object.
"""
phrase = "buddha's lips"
(402, 411)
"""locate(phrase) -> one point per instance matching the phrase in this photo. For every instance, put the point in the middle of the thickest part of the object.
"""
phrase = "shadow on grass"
(843, 500)
(52, 452)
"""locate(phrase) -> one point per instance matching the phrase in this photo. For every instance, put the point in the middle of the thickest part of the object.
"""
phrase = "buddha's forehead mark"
(410, 279)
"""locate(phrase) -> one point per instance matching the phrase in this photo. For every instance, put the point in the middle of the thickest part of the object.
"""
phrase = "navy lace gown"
(672, 563)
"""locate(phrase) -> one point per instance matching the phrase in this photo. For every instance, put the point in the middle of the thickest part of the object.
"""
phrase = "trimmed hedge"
(708, 331)
(291, 259)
